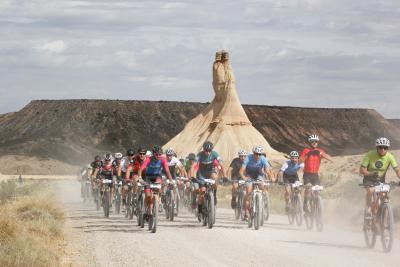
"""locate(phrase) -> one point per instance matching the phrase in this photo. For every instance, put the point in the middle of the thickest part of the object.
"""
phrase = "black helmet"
(108, 156)
(208, 146)
(192, 156)
(157, 150)
(142, 149)
(130, 152)
(97, 158)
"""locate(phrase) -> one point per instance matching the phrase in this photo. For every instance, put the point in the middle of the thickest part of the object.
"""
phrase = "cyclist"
(288, 173)
(106, 171)
(311, 157)
(255, 167)
(129, 167)
(152, 169)
(234, 174)
(208, 165)
(375, 165)
(97, 163)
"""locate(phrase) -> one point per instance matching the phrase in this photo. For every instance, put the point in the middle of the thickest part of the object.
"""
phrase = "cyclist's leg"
(249, 190)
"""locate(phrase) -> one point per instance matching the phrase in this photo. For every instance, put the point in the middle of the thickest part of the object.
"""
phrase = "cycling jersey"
(236, 165)
(291, 168)
(154, 166)
(312, 160)
(125, 163)
(172, 166)
(374, 162)
(107, 171)
(206, 163)
(255, 168)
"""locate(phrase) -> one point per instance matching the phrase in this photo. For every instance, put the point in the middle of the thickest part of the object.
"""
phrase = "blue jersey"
(255, 168)
(291, 168)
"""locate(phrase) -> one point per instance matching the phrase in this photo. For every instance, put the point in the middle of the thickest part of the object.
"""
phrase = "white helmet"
(108, 156)
(258, 150)
(118, 155)
(382, 141)
(89, 166)
(294, 154)
(242, 152)
(313, 137)
(148, 153)
(169, 152)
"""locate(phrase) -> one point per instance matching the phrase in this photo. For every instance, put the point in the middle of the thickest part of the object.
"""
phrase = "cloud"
(285, 52)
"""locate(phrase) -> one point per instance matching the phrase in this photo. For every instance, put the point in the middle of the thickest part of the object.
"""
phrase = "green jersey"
(374, 162)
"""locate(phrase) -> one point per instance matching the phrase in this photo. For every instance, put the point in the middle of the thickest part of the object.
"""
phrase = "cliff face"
(74, 130)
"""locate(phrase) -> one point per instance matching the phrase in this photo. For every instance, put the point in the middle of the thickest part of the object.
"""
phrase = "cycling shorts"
(311, 178)
(290, 178)
(372, 180)
(152, 180)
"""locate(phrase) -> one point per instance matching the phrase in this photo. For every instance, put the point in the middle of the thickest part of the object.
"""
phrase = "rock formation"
(223, 122)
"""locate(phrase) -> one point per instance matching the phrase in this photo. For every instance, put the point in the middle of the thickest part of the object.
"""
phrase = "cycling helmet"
(191, 156)
(142, 149)
(258, 150)
(169, 152)
(108, 156)
(148, 153)
(313, 137)
(89, 166)
(382, 141)
(242, 152)
(157, 150)
(130, 152)
(97, 158)
(208, 146)
(118, 155)
(294, 154)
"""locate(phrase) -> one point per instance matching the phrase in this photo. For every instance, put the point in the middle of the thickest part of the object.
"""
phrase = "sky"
(307, 53)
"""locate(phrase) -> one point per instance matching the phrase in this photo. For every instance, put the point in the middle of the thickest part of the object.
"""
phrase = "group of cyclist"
(155, 166)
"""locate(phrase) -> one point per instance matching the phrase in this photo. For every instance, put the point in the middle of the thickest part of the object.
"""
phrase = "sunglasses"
(206, 150)
(383, 147)
(157, 154)
(314, 142)
(142, 153)
(257, 154)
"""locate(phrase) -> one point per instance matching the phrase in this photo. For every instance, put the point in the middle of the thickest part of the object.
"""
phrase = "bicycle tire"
(298, 210)
(210, 210)
(309, 218)
(387, 224)
(258, 216)
(106, 203)
(155, 214)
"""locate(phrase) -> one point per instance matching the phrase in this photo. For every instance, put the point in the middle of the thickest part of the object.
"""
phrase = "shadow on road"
(324, 244)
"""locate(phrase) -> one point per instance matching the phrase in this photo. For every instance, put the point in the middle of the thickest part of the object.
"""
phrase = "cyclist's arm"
(128, 171)
(94, 174)
(365, 172)
(119, 170)
(166, 168)
(270, 174)
(327, 157)
(241, 172)
(229, 173)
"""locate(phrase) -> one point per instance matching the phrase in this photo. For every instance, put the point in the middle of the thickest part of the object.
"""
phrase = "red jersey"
(136, 163)
(312, 159)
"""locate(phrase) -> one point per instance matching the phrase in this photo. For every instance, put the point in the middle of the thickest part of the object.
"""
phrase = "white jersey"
(175, 162)
(124, 164)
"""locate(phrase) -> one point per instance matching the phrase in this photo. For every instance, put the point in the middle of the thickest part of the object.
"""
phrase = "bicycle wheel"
(251, 213)
(211, 210)
(309, 216)
(291, 212)
(368, 229)
(106, 203)
(117, 201)
(298, 210)
(319, 212)
(167, 203)
(97, 199)
(171, 205)
(266, 210)
(258, 216)
(154, 220)
(237, 208)
(386, 220)
(177, 204)
(142, 210)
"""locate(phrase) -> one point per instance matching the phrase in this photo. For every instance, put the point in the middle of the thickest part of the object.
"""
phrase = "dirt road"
(97, 241)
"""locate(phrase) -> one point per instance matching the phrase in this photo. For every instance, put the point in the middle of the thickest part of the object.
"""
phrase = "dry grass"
(31, 231)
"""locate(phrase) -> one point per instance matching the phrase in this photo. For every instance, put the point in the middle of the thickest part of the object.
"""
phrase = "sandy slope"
(97, 241)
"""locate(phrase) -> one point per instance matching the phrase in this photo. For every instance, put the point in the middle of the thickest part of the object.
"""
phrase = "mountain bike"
(171, 200)
(266, 202)
(256, 216)
(141, 205)
(152, 216)
(382, 222)
(241, 192)
(315, 209)
(96, 193)
(106, 199)
(117, 196)
(295, 204)
(86, 192)
(130, 201)
(208, 210)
